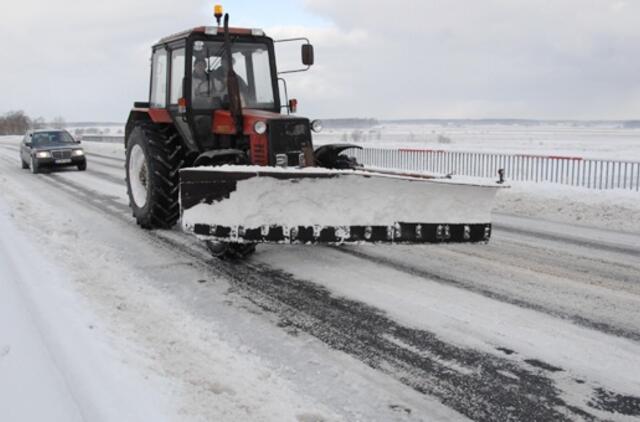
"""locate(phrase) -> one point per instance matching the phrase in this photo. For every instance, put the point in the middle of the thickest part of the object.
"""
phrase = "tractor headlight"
(77, 153)
(43, 154)
(316, 126)
(260, 127)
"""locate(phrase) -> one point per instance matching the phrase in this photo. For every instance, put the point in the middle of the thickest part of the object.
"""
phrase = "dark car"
(51, 148)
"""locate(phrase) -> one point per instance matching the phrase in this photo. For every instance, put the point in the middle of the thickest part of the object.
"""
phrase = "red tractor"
(212, 146)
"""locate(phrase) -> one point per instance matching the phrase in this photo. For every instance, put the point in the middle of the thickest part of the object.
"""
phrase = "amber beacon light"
(217, 12)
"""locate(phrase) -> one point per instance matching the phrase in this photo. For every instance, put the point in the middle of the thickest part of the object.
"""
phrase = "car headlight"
(316, 126)
(260, 127)
(77, 153)
(43, 154)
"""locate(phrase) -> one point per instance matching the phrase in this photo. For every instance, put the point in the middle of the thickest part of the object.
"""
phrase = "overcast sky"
(550, 59)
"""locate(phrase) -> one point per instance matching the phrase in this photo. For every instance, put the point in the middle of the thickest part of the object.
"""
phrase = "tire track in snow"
(568, 240)
(480, 385)
(492, 294)
(105, 163)
(108, 164)
(91, 171)
(519, 252)
(106, 157)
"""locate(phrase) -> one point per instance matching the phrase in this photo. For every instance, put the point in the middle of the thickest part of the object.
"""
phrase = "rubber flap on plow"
(314, 205)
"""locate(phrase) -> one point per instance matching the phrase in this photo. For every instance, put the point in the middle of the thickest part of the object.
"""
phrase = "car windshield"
(54, 137)
(250, 62)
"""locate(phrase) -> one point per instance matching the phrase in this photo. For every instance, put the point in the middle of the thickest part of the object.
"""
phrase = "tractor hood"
(286, 136)
(223, 121)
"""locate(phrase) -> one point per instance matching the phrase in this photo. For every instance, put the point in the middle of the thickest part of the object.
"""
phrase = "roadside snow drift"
(55, 365)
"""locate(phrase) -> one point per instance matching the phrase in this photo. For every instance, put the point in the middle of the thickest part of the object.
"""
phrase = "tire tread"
(165, 160)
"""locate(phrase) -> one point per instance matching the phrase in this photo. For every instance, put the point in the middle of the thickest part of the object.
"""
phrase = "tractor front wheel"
(230, 251)
(153, 158)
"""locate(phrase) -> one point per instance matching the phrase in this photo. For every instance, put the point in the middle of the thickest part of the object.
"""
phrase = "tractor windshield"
(209, 82)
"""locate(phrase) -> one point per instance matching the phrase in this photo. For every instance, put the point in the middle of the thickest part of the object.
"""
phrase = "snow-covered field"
(600, 142)
(100, 320)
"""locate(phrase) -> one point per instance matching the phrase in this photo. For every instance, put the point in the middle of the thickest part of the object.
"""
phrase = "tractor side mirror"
(293, 105)
(307, 54)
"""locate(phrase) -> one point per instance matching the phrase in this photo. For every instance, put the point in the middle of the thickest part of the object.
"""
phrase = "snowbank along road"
(543, 323)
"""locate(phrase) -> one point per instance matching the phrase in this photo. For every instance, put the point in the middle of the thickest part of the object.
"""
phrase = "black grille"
(288, 136)
(61, 154)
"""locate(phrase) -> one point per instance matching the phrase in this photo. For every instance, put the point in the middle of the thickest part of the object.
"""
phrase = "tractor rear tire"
(154, 156)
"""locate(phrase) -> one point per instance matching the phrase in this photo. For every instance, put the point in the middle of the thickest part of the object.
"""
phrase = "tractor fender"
(221, 156)
(328, 156)
(135, 116)
(142, 113)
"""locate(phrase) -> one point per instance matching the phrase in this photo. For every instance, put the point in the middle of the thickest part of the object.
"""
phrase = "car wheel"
(82, 166)
(34, 166)
(25, 165)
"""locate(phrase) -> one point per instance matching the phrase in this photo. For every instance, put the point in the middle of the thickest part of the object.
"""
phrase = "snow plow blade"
(254, 204)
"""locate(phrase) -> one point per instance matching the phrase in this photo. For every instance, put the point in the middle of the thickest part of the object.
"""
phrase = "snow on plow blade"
(315, 205)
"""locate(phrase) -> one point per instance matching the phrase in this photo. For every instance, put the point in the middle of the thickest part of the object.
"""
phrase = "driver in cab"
(206, 86)
(209, 87)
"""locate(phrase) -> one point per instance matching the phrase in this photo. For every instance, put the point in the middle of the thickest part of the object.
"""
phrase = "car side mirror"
(307, 54)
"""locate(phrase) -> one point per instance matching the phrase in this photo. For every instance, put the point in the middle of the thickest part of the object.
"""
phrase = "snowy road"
(543, 323)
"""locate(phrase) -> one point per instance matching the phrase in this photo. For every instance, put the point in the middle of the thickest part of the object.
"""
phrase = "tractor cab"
(189, 79)
(219, 88)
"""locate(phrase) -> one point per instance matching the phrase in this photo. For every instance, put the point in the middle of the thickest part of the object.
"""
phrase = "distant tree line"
(17, 123)
(632, 124)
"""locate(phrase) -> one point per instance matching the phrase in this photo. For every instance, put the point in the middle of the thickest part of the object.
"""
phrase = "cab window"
(177, 73)
(159, 79)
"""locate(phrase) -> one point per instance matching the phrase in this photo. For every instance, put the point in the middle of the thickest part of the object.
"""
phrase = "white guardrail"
(573, 171)
(103, 138)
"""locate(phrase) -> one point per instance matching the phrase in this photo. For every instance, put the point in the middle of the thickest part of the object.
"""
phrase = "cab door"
(176, 92)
